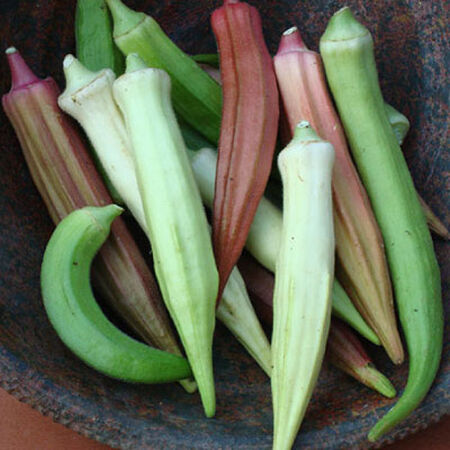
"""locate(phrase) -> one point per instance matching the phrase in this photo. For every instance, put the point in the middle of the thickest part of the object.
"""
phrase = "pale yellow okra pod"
(303, 279)
(88, 98)
(176, 222)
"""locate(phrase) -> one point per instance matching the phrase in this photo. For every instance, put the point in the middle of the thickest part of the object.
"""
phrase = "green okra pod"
(196, 96)
(176, 222)
(75, 315)
(347, 51)
(94, 37)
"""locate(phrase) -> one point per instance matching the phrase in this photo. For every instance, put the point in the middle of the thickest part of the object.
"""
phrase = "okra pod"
(94, 37)
(248, 128)
(303, 279)
(196, 96)
(88, 98)
(66, 178)
(361, 264)
(348, 54)
(263, 240)
(77, 318)
(176, 222)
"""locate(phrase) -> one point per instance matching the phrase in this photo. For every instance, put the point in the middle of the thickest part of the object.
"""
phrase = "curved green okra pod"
(76, 317)
(263, 240)
(196, 96)
(347, 51)
(303, 279)
(176, 222)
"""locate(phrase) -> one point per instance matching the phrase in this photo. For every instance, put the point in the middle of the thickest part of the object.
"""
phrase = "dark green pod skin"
(347, 52)
(77, 318)
(96, 50)
(212, 59)
(192, 139)
(93, 35)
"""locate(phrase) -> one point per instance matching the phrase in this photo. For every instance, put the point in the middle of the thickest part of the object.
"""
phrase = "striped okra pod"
(248, 128)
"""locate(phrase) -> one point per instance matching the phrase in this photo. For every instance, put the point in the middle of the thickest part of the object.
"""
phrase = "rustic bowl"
(36, 367)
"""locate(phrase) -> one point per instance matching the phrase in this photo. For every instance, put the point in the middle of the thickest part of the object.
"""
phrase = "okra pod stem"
(176, 222)
(361, 264)
(398, 121)
(347, 51)
(303, 279)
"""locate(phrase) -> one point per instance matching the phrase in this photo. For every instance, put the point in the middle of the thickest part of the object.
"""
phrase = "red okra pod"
(248, 129)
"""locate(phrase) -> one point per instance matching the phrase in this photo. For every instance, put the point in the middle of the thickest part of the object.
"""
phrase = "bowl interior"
(37, 368)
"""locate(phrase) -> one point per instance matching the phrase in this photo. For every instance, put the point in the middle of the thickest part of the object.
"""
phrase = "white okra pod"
(88, 98)
(237, 313)
(303, 279)
(263, 240)
(176, 222)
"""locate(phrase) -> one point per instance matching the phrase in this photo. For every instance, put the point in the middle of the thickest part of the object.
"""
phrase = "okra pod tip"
(343, 26)
(291, 40)
(21, 74)
(77, 75)
(134, 62)
(124, 18)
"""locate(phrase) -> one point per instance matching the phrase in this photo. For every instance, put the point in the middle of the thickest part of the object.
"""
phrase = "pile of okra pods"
(296, 157)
